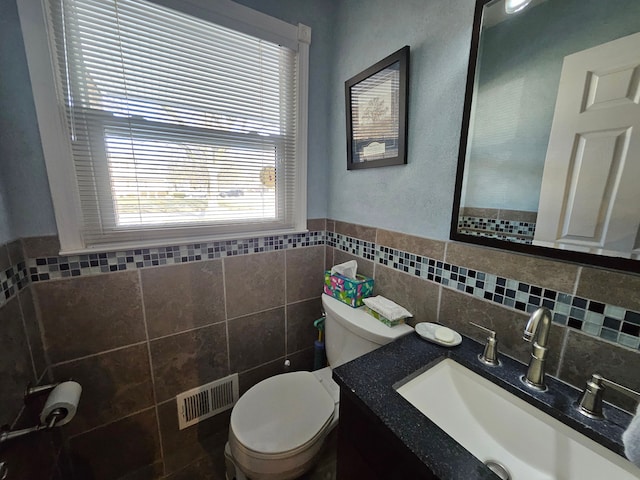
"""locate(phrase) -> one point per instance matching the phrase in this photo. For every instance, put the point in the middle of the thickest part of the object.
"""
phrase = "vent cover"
(207, 400)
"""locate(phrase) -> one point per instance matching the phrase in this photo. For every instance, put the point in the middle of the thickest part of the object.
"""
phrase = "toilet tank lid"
(362, 324)
(282, 413)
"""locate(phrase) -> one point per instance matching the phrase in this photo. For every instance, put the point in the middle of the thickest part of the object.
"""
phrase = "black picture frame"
(376, 109)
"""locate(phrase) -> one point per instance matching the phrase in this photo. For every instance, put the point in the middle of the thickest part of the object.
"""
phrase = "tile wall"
(596, 312)
(22, 362)
(136, 328)
(514, 225)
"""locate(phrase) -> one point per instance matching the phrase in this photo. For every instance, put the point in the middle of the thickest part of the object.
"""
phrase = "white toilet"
(279, 425)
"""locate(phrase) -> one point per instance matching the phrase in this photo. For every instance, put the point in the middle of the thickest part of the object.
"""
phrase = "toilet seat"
(272, 435)
(276, 456)
(267, 422)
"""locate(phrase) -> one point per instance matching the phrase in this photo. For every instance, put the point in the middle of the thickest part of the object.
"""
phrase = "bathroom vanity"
(383, 436)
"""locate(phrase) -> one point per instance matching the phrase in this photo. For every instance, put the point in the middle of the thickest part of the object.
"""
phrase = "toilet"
(279, 425)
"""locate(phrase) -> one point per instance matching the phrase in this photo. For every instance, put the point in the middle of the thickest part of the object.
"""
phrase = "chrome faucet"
(537, 332)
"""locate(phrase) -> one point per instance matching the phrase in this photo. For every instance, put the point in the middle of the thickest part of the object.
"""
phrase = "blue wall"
(415, 198)
(25, 188)
(348, 37)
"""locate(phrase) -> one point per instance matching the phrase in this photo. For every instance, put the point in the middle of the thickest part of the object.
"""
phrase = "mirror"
(549, 158)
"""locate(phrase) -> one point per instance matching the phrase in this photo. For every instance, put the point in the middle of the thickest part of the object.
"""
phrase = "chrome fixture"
(55, 416)
(537, 332)
(33, 391)
(490, 354)
(4, 470)
(499, 469)
(590, 403)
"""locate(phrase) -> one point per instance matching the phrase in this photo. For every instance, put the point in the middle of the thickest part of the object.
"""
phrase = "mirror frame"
(615, 263)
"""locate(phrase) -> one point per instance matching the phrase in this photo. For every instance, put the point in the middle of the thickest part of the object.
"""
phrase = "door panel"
(592, 169)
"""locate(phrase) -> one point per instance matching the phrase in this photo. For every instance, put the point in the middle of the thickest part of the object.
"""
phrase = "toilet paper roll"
(66, 397)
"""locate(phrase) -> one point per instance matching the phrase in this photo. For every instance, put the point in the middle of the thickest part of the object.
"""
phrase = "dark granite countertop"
(372, 378)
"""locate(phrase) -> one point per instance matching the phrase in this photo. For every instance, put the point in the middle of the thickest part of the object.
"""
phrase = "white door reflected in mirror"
(589, 188)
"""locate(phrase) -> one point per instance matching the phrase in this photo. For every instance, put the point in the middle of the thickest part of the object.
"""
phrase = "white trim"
(55, 144)
(55, 140)
(118, 247)
(304, 37)
(238, 17)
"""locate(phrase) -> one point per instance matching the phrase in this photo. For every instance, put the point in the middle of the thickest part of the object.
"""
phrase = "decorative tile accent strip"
(512, 230)
(499, 236)
(43, 269)
(354, 246)
(608, 322)
(12, 281)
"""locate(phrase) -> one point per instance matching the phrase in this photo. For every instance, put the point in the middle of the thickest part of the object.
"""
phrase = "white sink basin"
(494, 425)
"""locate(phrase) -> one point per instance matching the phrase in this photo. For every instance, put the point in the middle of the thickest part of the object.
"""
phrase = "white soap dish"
(438, 334)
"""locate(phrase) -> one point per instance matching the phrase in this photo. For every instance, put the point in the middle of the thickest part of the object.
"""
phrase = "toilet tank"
(352, 332)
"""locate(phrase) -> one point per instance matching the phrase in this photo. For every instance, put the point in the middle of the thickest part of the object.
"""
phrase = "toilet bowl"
(278, 426)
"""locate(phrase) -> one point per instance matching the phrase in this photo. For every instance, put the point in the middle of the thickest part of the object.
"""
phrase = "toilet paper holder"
(31, 391)
(50, 416)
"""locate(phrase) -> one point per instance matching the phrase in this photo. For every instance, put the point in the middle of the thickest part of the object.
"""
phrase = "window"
(178, 126)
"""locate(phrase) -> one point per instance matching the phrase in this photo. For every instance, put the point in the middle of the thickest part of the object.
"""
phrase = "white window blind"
(178, 127)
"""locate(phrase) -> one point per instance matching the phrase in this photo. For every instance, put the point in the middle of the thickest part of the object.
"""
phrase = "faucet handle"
(590, 403)
(490, 354)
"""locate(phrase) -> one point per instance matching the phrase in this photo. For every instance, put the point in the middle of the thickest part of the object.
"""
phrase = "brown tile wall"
(500, 214)
(135, 339)
(22, 362)
(573, 356)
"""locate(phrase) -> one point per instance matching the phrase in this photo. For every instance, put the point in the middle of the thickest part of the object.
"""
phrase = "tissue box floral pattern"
(347, 290)
(382, 318)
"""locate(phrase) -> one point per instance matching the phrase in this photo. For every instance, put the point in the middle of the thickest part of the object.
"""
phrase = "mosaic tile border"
(12, 280)
(499, 236)
(497, 225)
(512, 230)
(609, 322)
(354, 246)
(50, 268)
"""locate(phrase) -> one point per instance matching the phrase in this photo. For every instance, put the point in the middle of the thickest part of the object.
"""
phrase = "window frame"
(56, 143)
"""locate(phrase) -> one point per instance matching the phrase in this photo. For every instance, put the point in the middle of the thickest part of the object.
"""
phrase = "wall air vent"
(207, 400)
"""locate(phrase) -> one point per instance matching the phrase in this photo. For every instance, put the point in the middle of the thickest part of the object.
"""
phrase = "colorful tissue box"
(382, 318)
(347, 290)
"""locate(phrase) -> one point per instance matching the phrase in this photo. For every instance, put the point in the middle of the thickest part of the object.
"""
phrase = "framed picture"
(376, 106)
